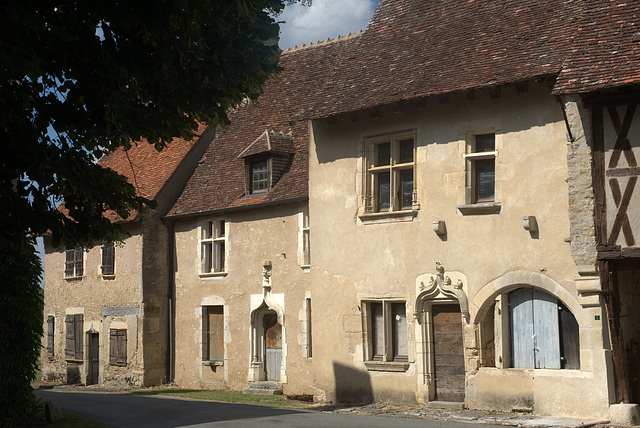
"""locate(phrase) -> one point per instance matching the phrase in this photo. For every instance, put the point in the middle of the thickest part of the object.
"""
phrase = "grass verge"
(227, 396)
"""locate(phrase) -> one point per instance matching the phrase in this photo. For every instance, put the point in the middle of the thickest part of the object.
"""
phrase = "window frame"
(207, 312)
(213, 247)
(374, 168)
(104, 252)
(390, 355)
(474, 157)
(118, 347)
(304, 241)
(74, 262)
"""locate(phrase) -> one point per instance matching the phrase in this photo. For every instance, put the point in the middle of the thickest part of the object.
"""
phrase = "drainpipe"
(566, 120)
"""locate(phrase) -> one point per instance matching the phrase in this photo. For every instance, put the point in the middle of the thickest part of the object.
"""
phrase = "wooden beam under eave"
(332, 120)
(420, 103)
(495, 92)
(374, 113)
(398, 107)
(443, 99)
(522, 87)
(354, 116)
(470, 95)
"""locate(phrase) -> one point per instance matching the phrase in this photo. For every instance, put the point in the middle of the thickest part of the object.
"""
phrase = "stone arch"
(521, 278)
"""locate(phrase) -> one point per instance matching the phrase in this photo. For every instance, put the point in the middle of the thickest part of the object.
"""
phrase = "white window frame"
(75, 250)
(304, 243)
(473, 204)
(213, 235)
(371, 172)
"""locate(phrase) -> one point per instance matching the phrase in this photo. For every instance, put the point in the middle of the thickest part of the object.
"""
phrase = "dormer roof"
(270, 142)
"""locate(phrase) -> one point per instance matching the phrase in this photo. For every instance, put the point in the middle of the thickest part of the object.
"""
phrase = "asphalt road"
(139, 411)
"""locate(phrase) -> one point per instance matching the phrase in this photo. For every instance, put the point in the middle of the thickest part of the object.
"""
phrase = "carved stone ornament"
(440, 283)
(266, 274)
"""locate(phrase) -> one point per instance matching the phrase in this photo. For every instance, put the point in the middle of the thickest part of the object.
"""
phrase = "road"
(140, 411)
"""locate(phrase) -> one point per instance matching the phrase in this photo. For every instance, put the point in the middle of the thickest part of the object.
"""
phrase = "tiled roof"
(146, 168)
(419, 48)
(218, 181)
(607, 52)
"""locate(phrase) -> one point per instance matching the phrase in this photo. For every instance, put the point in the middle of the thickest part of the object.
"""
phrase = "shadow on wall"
(73, 374)
(352, 385)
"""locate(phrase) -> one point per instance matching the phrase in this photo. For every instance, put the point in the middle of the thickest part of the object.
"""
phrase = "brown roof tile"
(418, 48)
(146, 168)
(607, 52)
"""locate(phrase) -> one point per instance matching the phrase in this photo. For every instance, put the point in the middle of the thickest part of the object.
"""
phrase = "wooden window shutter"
(69, 346)
(122, 347)
(50, 335)
(78, 322)
(113, 346)
(108, 259)
(69, 263)
(78, 261)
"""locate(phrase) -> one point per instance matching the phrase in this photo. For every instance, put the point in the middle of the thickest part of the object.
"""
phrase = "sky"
(324, 18)
(309, 24)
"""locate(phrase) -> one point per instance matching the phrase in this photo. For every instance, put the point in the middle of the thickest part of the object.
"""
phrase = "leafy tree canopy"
(80, 78)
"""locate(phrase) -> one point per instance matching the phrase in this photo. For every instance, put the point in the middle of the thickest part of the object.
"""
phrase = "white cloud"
(323, 19)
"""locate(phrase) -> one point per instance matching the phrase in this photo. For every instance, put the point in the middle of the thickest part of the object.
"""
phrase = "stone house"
(461, 247)
(241, 227)
(106, 308)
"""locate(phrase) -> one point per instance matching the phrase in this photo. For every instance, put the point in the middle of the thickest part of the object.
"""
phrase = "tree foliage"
(79, 79)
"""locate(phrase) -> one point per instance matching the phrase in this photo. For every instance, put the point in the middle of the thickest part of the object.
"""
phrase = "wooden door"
(448, 353)
(95, 358)
(273, 346)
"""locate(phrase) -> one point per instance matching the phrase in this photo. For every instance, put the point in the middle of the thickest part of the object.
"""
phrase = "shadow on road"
(141, 411)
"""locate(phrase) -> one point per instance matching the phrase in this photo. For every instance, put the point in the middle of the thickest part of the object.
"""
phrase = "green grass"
(227, 396)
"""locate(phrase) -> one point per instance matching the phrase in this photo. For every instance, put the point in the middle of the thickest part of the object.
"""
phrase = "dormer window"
(265, 160)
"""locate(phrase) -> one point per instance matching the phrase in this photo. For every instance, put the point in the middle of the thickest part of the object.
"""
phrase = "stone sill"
(386, 366)
(482, 208)
(388, 216)
(73, 360)
(213, 363)
(306, 268)
(73, 278)
(213, 274)
(108, 277)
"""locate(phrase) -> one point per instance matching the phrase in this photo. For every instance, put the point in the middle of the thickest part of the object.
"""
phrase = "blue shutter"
(522, 328)
(546, 330)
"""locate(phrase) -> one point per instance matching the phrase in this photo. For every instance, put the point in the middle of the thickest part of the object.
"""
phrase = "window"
(259, 177)
(544, 333)
(213, 335)
(213, 246)
(73, 345)
(390, 167)
(307, 307)
(386, 324)
(108, 259)
(51, 330)
(305, 244)
(481, 168)
(118, 347)
(73, 266)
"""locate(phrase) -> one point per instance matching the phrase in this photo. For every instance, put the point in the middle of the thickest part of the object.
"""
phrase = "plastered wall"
(355, 259)
(253, 237)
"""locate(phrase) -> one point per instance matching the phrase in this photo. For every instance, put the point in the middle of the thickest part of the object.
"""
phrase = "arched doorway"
(266, 344)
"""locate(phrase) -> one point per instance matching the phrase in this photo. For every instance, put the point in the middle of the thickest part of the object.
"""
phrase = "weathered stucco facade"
(106, 302)
(390, 256)
(264, 274)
